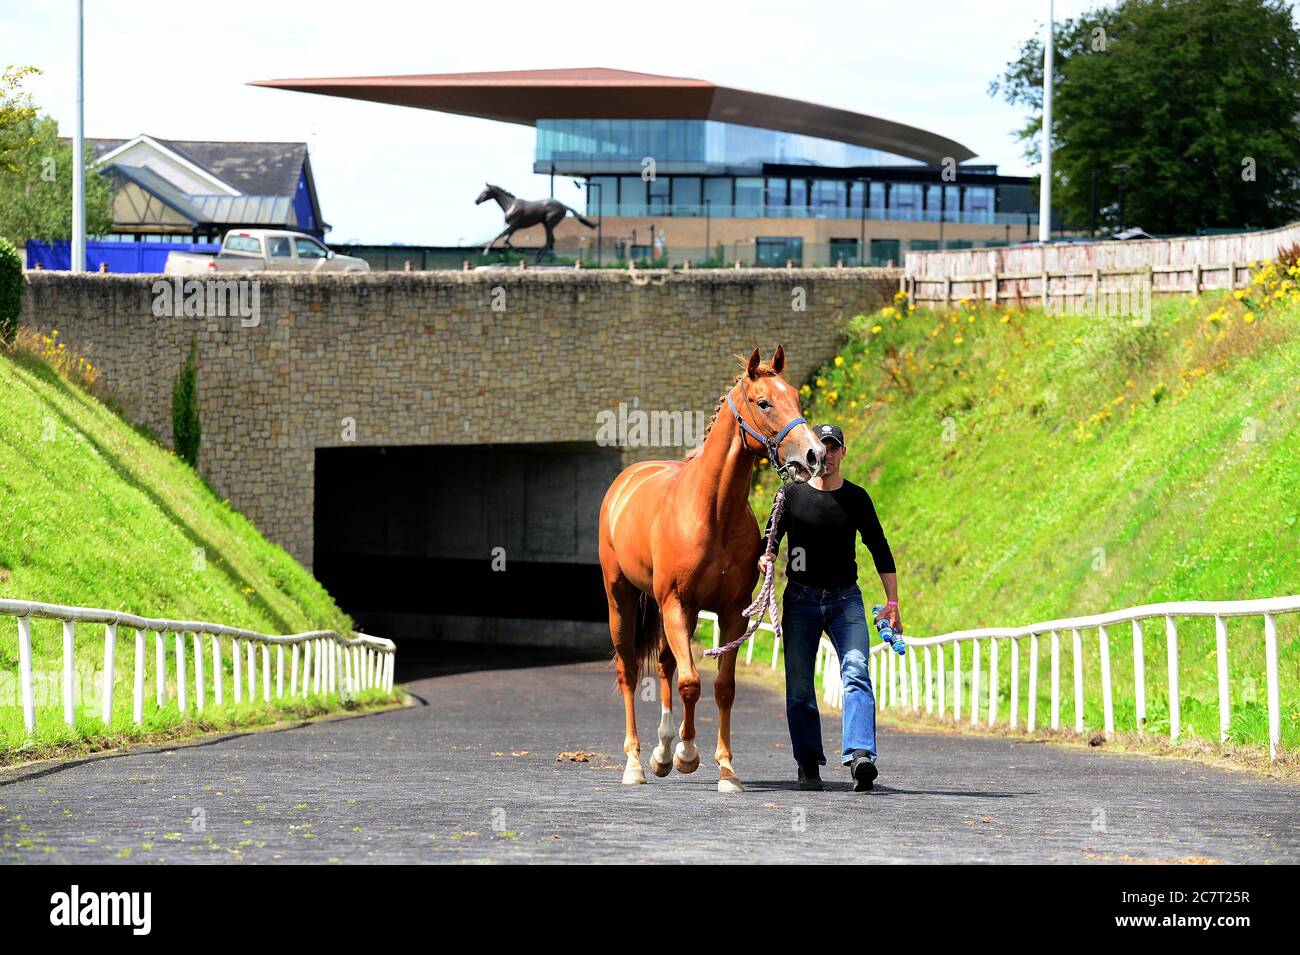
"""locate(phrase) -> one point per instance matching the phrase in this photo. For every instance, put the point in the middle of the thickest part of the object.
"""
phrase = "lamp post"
(862, 224)
(600, 216)
(1121, 168)
(708, 251)
(1045, 187)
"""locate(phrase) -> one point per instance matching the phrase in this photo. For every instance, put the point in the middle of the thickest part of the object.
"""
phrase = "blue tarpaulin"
(122, 257)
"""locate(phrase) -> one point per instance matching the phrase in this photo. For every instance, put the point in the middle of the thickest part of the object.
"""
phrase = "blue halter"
(771, 445)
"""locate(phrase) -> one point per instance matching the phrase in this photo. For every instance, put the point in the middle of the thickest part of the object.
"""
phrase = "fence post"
(1171, 651)
(1056, 680)
(279, 671)
(1033, 683)
(993, 680)
(975, 682)
(1270, 664)
(929, 685)
(1015, 682)
(1232, 275)
(956, 680)
(181, 691)
(1096, 290)
(137, 696)
(993, 287)
(237, 655)
(1196, 277)
(217, 695)
(160, 668)
(69, 675)
(1107, 704)
(250, 665)
(943, 703)
(198, 672)
(1078, 681)
(1225, 702)
(1139, 676)
(110, 648)
(916, 676)
(293, 676)
(25, 673)
(947, 290)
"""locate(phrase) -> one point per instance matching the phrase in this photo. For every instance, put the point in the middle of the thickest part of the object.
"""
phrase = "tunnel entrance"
(466, 543)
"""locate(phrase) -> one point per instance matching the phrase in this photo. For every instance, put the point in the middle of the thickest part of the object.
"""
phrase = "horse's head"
(486, 194)
(769, 403)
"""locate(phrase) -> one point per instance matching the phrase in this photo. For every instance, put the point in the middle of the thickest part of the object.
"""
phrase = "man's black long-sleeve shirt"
(821, 526)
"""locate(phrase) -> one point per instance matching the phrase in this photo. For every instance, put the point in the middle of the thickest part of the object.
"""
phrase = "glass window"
(828, 198)
(717, 189)
(658, 195)
(310, 249)
(749, 196)
(905, 200)
(844, 250)
(776, 251)
(686, 196)
(279, 246)
(244, 243)
(885, 252)
(631, 196)
(602, 195)
(778, 197)
(799, 198)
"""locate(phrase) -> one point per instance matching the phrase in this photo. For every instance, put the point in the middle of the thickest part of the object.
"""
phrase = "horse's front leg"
(679, 625)
(504, 232)
(724, 692)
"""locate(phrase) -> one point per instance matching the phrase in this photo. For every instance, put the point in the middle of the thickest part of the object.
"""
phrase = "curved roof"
(525, 96)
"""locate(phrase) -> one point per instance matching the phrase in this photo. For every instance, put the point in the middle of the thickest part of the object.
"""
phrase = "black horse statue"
(522, 213)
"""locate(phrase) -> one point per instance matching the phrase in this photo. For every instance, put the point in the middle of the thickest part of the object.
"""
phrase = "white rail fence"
(918, 678)
(322, 661)
(1087, 269)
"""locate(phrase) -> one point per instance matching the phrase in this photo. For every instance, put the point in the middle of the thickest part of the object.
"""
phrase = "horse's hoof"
(633, 775)
(730, 785)
(660, 769)
(686, 758)
(684, 767)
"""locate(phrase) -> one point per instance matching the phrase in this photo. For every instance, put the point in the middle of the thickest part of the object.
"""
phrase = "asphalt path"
(474, 773)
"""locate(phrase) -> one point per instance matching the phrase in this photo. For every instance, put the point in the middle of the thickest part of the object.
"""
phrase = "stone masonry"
(436, 358)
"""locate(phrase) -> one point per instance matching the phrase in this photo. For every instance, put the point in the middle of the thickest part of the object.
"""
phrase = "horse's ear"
(778, 360)
(751, 366)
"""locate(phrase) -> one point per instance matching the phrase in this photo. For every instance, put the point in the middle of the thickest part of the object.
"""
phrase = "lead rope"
(765, 602)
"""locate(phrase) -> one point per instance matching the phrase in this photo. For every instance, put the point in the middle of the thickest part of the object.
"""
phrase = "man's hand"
(891, 614)
(764, 561)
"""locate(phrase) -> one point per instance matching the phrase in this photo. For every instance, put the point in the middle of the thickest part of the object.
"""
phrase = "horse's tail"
(587, 222)
(645, 638)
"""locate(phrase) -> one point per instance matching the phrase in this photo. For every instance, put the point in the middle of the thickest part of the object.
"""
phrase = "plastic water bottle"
(887, 633)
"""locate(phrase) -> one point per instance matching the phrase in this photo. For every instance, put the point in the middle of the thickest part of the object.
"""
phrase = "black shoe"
(810, 779)
(863, 770)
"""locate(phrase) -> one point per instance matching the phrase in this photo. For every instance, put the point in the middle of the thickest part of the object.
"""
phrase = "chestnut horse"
(678, 537)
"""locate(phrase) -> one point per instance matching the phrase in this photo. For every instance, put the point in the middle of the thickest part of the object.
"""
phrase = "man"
(822, 516)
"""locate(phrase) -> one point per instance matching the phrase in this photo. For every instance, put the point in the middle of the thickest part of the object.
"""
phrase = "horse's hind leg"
(661, 763)
(622, 597)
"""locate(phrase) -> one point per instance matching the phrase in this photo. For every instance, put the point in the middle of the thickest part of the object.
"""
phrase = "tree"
(36, 197)
(15, 110)
(11, 290)
(1188, 106)
(186, 430)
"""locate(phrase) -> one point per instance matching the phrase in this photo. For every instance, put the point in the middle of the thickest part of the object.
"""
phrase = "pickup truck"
(265, 250)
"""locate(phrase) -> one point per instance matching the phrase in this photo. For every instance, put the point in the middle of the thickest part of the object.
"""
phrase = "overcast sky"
(179, 69)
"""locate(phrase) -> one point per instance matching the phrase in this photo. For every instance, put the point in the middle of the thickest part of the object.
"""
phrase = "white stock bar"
(331, 662)
(898, 681)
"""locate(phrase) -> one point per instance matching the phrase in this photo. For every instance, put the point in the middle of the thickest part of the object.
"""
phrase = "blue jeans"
(805, 613)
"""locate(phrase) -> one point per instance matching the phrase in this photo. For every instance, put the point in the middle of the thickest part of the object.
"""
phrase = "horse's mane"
(763, 370)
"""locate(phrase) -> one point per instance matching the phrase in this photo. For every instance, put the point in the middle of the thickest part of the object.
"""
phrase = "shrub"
(11, 290)
(185, 411)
